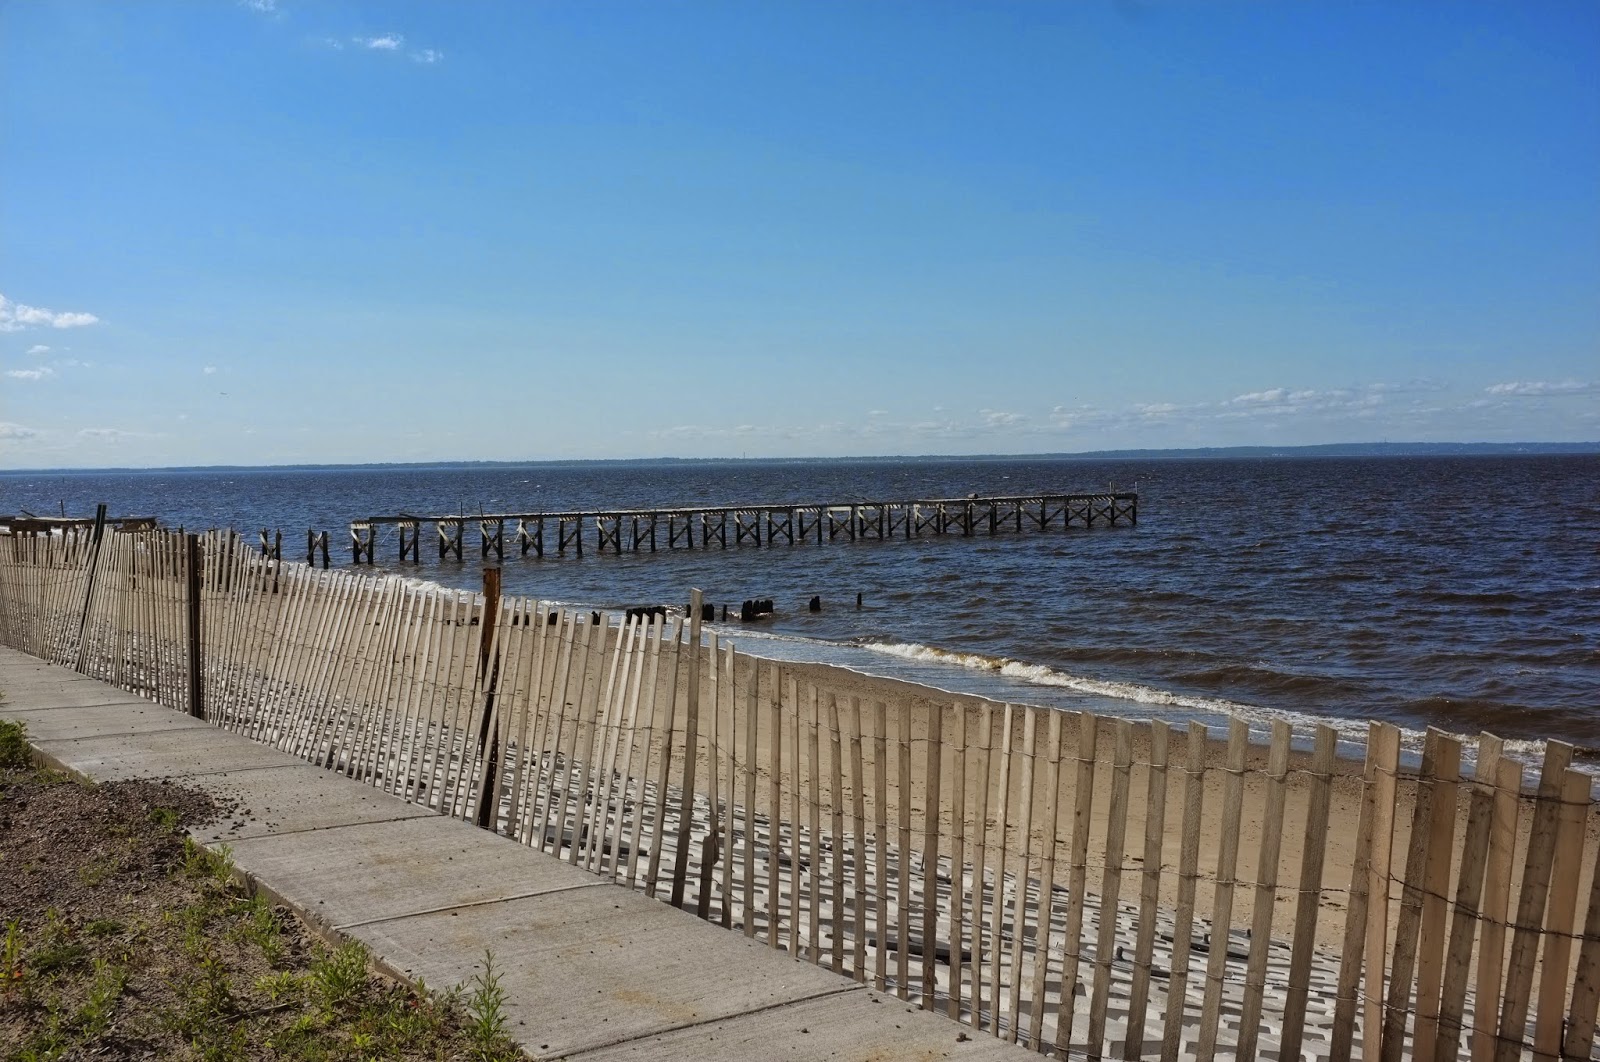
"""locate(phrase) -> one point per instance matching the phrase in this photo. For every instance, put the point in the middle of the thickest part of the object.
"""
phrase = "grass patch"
(14, 750)
(122, 938)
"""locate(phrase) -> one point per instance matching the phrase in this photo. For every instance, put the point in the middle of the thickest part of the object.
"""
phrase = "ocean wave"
(1351, 733)
(1044, 675)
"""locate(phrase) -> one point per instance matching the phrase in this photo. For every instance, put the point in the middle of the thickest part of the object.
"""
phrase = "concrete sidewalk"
(591, 970)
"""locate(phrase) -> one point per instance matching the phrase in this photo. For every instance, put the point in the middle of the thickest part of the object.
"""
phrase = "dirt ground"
(120, 939)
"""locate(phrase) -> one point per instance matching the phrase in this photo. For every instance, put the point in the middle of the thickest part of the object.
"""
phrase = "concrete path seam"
(314, 829)
(131, 733)
(465, 906)
(141, 702)
(844, 991)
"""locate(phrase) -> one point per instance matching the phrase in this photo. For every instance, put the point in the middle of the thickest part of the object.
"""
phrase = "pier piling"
(758, 526)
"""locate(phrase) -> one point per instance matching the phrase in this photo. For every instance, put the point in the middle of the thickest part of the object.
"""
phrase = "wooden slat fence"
(1084, 886)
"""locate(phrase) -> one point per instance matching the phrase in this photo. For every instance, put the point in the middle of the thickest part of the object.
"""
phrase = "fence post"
(88, 586)
(488, 733)
(197, 696)
(691, 739)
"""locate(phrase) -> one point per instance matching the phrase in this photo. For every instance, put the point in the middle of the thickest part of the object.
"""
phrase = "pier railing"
(734, 526)
(1088, 887)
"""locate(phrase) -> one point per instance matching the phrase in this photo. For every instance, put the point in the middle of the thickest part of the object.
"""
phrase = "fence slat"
(1579, 1041)
(1194, 791)
(1155, 808)
(1561, 914)
(728, 698)
(1047, 878)
(858, 824)
(1531, 902)
(1310, 892)
(1019, 902)
(1082, 820)
(691, 751)
(590, 823)
(666, 717)
(1367, 926)
(796, 860)
(1435, 900)
(958, 860)
(1266, 890)
(902, 892)
(1222, 905)
(931, 808)
(1408, 926)
(1506, 776)
(775, 808)
(997, 897)
(980, 859)
(880, 845)
(752, 742)
(642, 726)
(813, 847)
(1111, 883)
(836, 847)
(1469, 893)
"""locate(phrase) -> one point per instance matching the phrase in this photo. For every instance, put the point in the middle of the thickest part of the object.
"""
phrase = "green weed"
(11, 951)
(486, 1016)
(14, 750)
(340, 974)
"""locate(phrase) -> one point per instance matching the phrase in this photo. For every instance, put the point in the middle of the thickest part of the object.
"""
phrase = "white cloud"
(996, 418)
(1275, 396)
(427, 56)
(1538, 388)
(264, 7)
(112, 434)
(15, 316)
(31, 374)
(389, 42)
(1284, 401)
(9, 430)
(209, 370)
(38, 348)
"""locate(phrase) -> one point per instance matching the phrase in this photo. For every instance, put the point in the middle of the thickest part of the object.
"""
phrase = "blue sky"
(286, 230)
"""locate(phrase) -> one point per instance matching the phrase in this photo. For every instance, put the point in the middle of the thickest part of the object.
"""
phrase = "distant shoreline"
(1202, 453)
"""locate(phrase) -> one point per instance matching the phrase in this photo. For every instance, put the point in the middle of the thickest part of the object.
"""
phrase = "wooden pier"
(733, 526)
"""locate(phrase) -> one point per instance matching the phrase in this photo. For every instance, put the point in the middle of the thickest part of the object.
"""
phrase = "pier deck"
(731, 526)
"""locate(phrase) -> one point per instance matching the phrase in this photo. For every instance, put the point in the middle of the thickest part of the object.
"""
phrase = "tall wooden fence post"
(88, 584)
(197, 686)
(691, 739)
(488, 733)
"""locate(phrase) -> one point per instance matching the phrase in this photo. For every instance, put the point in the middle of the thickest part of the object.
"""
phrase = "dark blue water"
(1459, 592)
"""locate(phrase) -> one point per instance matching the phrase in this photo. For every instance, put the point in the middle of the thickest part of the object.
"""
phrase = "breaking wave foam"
(1350, 731)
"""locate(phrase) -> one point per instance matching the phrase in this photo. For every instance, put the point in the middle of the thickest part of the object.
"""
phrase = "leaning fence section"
(1084, 886)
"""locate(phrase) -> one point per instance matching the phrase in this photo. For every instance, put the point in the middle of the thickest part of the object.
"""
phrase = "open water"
(1458, 592)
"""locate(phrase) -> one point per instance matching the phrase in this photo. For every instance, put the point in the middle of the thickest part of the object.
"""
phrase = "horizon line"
(1384, 448)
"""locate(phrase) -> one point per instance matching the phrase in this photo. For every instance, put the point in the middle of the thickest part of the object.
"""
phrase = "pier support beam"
(492, 536)
(363, 542)
(450, 538)
(316, 540)
(410, 540)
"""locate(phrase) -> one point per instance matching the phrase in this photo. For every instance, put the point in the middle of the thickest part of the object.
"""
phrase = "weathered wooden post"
(691, 738)
(197, 699)
(88, 584)
(488, 732)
